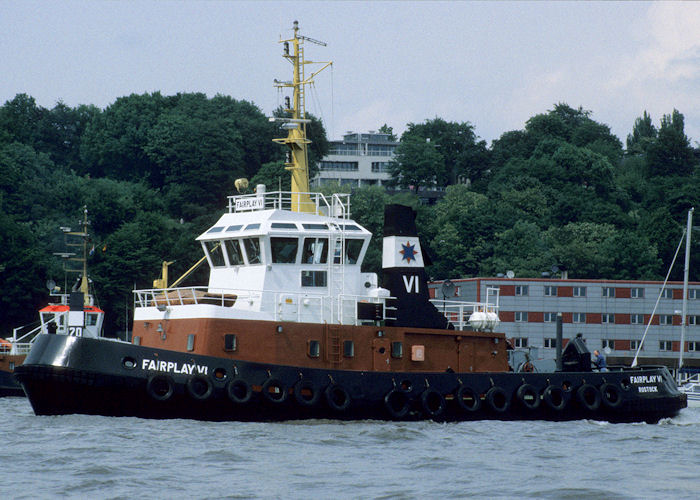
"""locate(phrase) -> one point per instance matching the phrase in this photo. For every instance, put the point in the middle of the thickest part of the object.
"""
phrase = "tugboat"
(67, 314)
(289, 327)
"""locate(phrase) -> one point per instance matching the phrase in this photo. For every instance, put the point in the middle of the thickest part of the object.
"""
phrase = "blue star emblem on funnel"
(408, 251)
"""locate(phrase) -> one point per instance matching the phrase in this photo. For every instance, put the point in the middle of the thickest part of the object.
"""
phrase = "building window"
(608, 343)
(694, 346)
(550, 317)
(578, 317)
(665, 319)
(667, 293)
(380, 166)
(550, 343)
(665, 345)
(608, 318)
(314, 348)
(637, 319)
(637, 293)
(520, 342)
(520, 316)
(521, 290)
(230, 342)
(550, 291)
(190, 342)
(579, 291)
(692, 320)
(693, 293)
(634, 345)
(339, 166)
(608, 292)
(348, 348)
(397, 349)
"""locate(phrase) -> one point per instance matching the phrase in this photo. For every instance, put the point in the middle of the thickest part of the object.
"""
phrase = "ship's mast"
(83, 235)
(297, 161)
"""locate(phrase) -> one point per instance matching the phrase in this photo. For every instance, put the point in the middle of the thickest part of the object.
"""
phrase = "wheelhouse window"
(353, 248)
(397, 349)
(90, 319)
(314, 278)
(315, 251)
(216, 253)
(233, 250)
(284, 250)
(252, 250)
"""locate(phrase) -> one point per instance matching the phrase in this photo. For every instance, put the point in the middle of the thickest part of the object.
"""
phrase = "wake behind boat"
(289, 327)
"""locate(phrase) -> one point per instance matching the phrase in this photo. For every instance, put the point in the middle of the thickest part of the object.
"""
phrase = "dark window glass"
(322, 227)
(230, 342)
(216, 229)
(314, 348)
(313, 278)
(216, 253)
(284, 250)
(252, 226)
(252, 250)
(352, 250)
(233, 248)
(283, 225)
(397, 349)
(234, 228)
(315, 251)
(348, 348)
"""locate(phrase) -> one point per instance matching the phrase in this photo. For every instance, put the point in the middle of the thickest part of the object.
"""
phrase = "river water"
(78, 456)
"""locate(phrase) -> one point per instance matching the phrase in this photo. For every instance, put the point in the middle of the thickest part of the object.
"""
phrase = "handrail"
(284, 200)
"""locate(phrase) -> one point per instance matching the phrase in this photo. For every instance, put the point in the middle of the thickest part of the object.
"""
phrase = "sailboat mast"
(686, 272)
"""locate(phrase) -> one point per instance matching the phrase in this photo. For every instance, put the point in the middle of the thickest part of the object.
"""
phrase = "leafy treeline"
(155, 171)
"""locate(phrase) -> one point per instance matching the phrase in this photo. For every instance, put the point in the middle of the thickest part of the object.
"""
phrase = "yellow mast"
(298, 160)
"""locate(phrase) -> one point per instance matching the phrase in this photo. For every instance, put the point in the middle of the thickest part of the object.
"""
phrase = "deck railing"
(282, 305)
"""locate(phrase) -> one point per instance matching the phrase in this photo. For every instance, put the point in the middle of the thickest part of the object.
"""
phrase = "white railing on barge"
(337, 206)
(301, 307)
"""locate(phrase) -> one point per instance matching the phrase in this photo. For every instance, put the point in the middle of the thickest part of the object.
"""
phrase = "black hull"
(64, 375)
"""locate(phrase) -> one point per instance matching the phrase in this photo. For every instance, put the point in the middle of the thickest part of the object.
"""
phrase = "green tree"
(671, 153)
(417, 163)
(643, 133)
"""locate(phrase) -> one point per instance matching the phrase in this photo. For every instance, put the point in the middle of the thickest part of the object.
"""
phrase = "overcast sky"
(491, 64)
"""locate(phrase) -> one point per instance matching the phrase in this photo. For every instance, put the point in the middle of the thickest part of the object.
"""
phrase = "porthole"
(129, 363)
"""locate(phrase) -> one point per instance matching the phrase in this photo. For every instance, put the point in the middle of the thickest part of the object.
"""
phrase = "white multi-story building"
(358, 160)
(611, 315)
